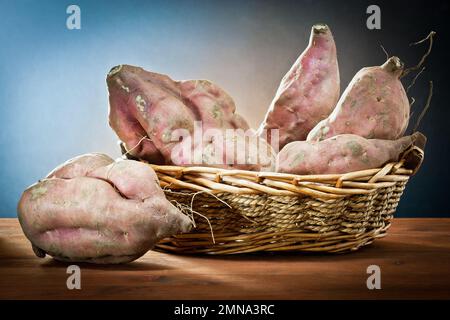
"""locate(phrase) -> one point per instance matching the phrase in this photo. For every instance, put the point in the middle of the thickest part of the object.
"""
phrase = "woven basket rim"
(328, 186)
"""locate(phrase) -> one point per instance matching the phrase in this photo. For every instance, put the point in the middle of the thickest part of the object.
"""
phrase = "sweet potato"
(373, 106)
(237, 150)
(307, 93)
(152, 106)
(80, 166)
(158, 108)
(341, 154)
(211, 104)
(112, 214)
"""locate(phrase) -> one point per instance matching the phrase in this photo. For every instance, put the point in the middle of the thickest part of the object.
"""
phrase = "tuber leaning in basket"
(373, 106)
(92, 209)
(151, 113)
(308, 92)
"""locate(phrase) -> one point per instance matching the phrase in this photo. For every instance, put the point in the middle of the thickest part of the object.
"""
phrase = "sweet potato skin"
(114, 214)
(340, 154)
(80, 165)
(307, 93)
(162, 108)
(373, 106)
(240, 150)
(211, 104)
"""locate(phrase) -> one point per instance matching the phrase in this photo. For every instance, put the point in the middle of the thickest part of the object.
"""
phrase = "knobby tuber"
(153, 114)
(92, 209)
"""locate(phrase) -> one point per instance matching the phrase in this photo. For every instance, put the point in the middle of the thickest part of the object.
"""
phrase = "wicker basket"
(238, 211)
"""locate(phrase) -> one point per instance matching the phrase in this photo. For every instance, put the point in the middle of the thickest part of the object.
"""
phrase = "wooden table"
(414, 260)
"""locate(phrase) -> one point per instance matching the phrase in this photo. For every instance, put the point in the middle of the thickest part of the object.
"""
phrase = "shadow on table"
(132, 266)
(379, 249)
(4, 248)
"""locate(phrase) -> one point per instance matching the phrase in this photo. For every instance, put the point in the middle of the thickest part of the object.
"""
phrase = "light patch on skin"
(85, 194)
(125, 88)
(204, 83)
(141, 104)
(66, 203)
(323, 132)
(217, 112)
(38, 192)
(199, 86)
(298, 159)
(365, 158)
(167, 136)
(155, 120)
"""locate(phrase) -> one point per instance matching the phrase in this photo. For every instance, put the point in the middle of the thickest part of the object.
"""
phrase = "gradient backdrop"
(53, 98)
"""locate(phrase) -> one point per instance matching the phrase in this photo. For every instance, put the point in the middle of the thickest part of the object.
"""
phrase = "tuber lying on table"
(307, 93)
(92, 209)
(341, 154)
(373, 106)
(153, 114)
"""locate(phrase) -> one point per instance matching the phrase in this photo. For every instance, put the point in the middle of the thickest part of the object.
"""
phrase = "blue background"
(53, 97)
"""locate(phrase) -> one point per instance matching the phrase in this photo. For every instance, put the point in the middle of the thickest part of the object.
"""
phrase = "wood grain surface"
(414, 259)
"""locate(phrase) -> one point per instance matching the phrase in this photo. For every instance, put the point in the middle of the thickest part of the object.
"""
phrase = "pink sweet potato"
(236, 150)
(341, 154)
(307, 93)
(158, 108)
(80, 166)
(373, 106)
(112, 214)
(152, 105)
(211, 104)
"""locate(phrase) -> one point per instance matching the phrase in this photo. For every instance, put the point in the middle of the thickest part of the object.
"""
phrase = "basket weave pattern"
(260, 211)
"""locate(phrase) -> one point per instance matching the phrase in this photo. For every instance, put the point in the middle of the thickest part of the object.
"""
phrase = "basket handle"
(412, 158)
